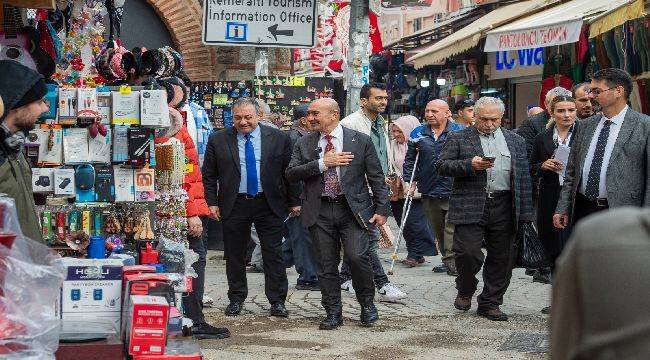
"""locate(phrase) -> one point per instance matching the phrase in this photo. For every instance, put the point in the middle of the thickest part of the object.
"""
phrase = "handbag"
(530, 252)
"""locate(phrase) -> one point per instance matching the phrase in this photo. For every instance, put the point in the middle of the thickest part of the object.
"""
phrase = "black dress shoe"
(546, 310)
(331, 322)
(369, 315)
(492, 314)
(234, 308)
(278, 309)
(542, 277)
(207, 331)
(310, 286)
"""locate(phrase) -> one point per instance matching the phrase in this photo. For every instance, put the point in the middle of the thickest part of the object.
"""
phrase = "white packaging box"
(92, 290)
(64, 182)
(43, 180)
(124, 184)
(153, 108)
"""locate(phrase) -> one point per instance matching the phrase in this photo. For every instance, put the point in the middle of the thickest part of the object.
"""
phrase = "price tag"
(220, 99)
(189, 168)
(298, 81)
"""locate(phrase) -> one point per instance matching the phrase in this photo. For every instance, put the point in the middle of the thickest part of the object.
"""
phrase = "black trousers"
(584, 208)
(193, 302)
(498, 229)
(336, 226)
(236, 233)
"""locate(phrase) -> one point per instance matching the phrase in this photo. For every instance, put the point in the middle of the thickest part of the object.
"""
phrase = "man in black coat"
(243, 177)
(491, 196)
(333, 162)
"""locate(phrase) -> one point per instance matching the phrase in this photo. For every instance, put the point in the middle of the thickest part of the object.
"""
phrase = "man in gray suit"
(337, 208)
(592, 321)
(610, 157)
(490, 197)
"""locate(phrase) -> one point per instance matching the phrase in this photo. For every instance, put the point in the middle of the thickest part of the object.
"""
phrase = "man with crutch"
(435, 189)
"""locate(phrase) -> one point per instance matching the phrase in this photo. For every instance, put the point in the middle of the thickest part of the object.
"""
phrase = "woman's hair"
(551, 106)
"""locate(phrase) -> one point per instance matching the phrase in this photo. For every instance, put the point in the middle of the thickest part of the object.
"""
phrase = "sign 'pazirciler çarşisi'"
(270, 23)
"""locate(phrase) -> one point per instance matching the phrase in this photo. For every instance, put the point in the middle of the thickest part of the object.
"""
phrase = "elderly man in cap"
(22, 91)
(298, 245)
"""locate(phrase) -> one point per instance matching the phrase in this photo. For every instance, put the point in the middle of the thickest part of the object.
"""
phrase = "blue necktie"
(593, 180)
(251, 167)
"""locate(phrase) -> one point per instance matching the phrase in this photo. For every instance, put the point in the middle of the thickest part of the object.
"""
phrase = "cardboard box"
(75, 145)
(147, 325)
(43, 180)
(50, 145)
(104, 105)
(154, 109)
(126, 108)
(92, 290)
(176, 349)
(64, 182)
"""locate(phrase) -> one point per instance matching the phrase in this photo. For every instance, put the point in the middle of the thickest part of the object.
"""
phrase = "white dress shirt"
(337, 140)
(614, 129)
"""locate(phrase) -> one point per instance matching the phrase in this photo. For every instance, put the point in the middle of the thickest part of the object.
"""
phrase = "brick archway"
(183, 19)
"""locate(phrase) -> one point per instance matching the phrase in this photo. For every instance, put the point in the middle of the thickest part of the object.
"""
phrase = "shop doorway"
(525, 94)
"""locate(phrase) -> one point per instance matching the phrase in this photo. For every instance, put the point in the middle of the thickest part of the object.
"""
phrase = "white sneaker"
(347, 286)
(207, 301)
(391, 293)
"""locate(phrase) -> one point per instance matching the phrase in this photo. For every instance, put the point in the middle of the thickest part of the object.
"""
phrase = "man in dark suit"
(243, 176)
(491, 196)
(610, 157)
(333, 162)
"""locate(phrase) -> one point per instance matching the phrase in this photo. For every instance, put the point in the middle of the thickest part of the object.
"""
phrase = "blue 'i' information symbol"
(236, 31)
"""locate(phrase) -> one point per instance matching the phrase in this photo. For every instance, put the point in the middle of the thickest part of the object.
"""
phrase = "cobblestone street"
(425, 325)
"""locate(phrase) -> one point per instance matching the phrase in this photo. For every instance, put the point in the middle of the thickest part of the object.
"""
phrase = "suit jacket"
(628, 172)
(304, 167)
(468, 194)
(600, 293)
(222, 173)
(531, 127)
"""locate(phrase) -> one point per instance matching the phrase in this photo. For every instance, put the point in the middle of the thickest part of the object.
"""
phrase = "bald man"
(337, 207)
(435, 189)
(534, 111)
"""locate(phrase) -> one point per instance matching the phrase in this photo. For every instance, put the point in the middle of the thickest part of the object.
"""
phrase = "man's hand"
(560, 221)
(412, 188)
(215, 213)
(378, 220)
(552, 165)
(334, 159)
(479, 164)
(195, 226)
(294, 211)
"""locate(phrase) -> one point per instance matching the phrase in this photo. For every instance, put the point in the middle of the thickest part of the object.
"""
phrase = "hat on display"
(151, 62)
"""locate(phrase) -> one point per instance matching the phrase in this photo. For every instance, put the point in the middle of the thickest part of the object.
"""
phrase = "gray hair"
(486, 101)
(263, 107)
(246, 101)
(555, 92)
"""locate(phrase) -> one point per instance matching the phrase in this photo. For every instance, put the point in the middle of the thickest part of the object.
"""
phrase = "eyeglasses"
(597, 91)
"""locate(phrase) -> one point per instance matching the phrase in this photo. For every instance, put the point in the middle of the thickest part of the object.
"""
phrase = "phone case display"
(87, 103)
(43, 180)
(64, 182)
(75, 145)
(282, 94)
(126, 107)
(153, 107)
(217, 96)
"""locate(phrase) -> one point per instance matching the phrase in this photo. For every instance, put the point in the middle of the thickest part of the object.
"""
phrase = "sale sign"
(543, 36)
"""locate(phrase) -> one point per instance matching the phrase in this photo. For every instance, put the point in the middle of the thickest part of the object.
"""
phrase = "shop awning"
(423, 34)
(470, 35)
(615, 17)
(558, 25)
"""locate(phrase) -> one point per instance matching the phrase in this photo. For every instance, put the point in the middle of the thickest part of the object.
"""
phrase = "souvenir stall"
(110, 195)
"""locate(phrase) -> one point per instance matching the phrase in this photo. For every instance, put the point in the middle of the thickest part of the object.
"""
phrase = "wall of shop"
(143, 27)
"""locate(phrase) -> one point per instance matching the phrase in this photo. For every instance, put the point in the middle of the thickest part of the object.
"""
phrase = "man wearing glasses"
(609, 161)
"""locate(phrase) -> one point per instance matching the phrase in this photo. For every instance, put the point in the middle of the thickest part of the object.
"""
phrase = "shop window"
(417, 24)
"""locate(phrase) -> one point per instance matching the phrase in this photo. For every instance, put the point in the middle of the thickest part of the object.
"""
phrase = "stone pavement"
(429, 293)
(425, 325)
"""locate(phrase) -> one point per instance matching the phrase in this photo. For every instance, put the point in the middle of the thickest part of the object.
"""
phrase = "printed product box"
(147, 325)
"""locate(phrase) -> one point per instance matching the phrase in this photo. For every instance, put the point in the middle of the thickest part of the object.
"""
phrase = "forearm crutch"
(405, 213)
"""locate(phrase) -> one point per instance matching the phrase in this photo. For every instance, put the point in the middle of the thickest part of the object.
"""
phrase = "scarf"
(407, 124)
